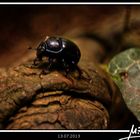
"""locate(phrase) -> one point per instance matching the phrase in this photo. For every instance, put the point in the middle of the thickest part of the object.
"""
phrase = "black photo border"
(65, 134)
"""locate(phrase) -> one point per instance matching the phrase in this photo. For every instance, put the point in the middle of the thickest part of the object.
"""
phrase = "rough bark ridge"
(29, 100)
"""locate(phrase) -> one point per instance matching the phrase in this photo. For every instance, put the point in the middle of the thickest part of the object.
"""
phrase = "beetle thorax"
(54, 45)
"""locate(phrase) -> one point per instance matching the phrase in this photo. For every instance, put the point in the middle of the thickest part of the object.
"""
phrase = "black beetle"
(59, 51)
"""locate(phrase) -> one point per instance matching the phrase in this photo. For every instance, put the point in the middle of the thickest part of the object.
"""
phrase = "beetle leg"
(47, 70)
(37, 60)
(50, 63)
(81, 71)
(43, 72)
(66, 67)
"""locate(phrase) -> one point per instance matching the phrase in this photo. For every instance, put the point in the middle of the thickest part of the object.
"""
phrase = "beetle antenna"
(31, 48)
(46, 38)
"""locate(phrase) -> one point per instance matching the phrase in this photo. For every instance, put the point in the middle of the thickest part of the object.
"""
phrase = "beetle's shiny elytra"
(59, 50)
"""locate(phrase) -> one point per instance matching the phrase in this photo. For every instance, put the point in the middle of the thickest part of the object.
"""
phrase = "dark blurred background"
(22, 26)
